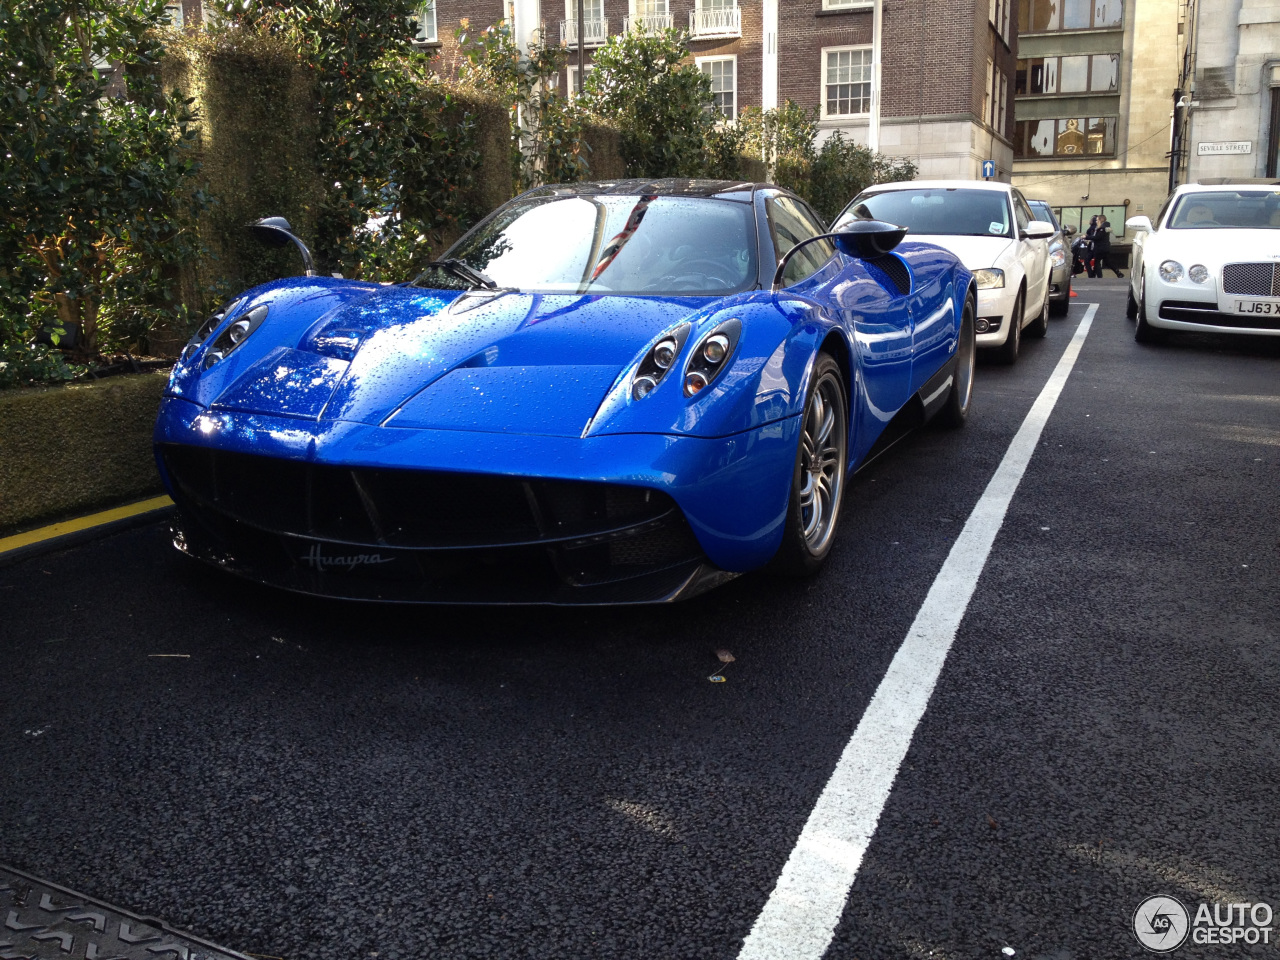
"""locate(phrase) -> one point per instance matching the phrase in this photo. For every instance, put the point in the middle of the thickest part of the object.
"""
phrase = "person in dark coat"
(1102, 247)
(1093, 261)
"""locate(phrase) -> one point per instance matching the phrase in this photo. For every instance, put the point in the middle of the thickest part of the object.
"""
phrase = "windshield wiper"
(464, 271)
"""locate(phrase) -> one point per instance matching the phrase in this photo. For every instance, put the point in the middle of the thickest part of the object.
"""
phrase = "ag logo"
(1161, 924)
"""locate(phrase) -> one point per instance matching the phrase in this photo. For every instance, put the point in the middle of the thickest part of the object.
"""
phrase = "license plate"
(1260, 308)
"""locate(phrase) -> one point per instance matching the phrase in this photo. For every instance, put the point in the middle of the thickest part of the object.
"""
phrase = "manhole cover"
(42, 921)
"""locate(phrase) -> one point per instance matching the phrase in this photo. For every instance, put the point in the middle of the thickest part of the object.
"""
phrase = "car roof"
(664, 187)
(995, 185)
(1216, 185)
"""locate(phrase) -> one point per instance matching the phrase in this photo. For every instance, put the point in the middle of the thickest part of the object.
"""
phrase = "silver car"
(1059, 258)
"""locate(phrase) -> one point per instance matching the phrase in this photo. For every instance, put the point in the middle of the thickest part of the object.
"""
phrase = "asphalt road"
(302, 779)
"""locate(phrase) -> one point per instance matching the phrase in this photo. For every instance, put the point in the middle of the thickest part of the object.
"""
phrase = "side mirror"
(1069, 231)
(867, 239)
(1140, 223)
(276, 232)
(1038, 230)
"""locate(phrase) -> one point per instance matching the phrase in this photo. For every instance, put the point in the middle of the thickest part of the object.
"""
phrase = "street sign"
(1207, 148)
(988, 169)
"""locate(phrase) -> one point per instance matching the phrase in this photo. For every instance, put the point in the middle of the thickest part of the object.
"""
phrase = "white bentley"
(1210, 263)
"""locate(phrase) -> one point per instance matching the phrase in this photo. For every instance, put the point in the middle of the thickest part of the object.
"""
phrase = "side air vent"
(891, 273)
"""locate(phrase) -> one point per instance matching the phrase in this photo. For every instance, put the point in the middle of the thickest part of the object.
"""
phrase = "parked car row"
(992, 228)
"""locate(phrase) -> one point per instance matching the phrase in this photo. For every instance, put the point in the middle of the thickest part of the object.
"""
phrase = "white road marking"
(799, 919)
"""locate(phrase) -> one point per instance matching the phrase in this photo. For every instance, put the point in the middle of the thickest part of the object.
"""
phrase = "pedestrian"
(1102, 247)
(1093, 262)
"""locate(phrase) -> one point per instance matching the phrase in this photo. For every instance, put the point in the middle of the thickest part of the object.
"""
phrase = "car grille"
(405, 508)
(1251, 279)
(429, 536)
(1198, 311)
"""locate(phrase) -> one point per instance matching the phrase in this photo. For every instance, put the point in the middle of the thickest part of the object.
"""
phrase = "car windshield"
(950, 211)
(1043, 212)
(691, 246)
(1212, 210)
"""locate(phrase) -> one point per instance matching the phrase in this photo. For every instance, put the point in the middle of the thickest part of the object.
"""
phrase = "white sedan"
(1210, 263)
(991, 228)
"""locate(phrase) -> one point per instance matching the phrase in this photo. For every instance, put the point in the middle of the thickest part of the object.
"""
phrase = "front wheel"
(1039, 327)
(1008, 352)
(960, 399)
(1144, 332)
(817, 483)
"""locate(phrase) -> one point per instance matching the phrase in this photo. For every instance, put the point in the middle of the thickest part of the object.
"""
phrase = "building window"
(426, 21)
(847, 82)
(573, 78)
(648, 16)
(1076, 137)
(715, 18)
(174, 10)
(847, 4)
(999, 12)
(723, 72)
(1004, 105)
(988, 109)
(1078, 217)
(1045, 16)
(595, 26)
(1045, 76)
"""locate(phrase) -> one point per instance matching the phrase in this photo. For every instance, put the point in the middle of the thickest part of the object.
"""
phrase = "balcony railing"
(708, 22)
(647, 23)
(595, 32)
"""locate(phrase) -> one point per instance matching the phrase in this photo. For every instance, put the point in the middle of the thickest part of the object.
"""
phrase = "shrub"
(95, 189)
(663, 107)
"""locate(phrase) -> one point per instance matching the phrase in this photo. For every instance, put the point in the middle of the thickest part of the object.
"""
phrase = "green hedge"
(67, 450)
(256, 145)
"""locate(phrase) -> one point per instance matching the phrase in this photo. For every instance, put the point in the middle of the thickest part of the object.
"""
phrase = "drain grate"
(42, 921)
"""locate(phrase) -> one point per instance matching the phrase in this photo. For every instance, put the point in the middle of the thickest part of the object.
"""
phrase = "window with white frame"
(174, 10)
(650, 16)
(573, 79)
(846, 87)
(426, 23)
(723, 72)
(1004, 104)
(847, 4)
(988, 113)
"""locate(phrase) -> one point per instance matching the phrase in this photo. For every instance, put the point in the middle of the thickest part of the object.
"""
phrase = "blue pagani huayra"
(621, 392)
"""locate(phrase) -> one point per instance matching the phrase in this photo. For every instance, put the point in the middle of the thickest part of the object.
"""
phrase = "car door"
(880, 324)
(1034, 257)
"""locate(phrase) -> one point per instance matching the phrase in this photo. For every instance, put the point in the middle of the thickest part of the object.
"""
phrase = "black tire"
(1131, 305)
(1039, 327)
(1144, 332)
(1059, 307)
(960, 399)
(1007, 352)
(807, 537)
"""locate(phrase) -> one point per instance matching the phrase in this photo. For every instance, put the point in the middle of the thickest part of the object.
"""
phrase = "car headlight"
(658, 361)
(1058, 257)
(1171, 271)
(1198, 273)
(711, 357)
(989, 278)
(237, 332)
(210, 325)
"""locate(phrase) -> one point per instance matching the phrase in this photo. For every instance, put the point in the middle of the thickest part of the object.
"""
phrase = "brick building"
(947, 66)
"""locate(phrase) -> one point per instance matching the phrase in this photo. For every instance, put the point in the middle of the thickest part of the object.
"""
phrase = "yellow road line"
(82, 523)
